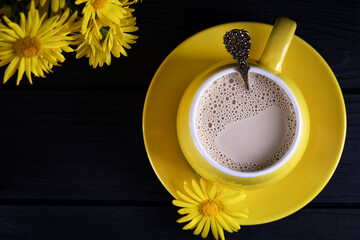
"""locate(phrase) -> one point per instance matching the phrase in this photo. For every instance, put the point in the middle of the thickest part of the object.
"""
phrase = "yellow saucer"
(303, 65)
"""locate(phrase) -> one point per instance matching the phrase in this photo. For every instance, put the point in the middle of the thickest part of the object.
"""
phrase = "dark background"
(72, 160)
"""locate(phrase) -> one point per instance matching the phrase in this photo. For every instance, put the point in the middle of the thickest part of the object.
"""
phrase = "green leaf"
(104, 31)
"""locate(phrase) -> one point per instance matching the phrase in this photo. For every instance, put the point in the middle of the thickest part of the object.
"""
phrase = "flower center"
(27, 47)
(98, 4)
(210, 207)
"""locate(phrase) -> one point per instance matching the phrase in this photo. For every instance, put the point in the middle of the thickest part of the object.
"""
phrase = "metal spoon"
(238, 42)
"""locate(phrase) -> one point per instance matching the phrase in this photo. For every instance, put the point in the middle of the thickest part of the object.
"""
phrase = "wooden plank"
(88, 145)
(93, 223)
(74, 145)
(331, 27)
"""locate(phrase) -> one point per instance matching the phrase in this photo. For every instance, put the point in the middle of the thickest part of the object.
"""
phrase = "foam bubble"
(227, 101)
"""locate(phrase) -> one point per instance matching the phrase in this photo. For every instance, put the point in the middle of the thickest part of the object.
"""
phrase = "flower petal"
(188, 217)
(188, 210)
(28, 69)
(191, 193)
(33, 66)
(80, 1)
(22, 20)
(11, 69)
(206, 229)
(198, 190)
(230, 220)
(4, 62)
(214, 228)
(213, 192)
(8, 35)
(193, 222)
(85, 21)
(203, 187)
(222, 223)
(220, 231)
(20, 71)
(14, 26)
(180, 203)
(55, 5)
(200, 226)
(62, 3)
(186, 198)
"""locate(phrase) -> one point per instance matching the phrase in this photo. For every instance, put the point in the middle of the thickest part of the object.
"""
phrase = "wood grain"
(78, 145)
(110, 223)
(331, 27)
(72, 159)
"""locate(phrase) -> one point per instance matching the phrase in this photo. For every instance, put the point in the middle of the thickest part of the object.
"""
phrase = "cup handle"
(278, 43)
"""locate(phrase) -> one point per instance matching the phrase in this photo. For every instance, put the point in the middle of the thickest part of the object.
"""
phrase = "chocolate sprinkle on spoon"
(238, 43)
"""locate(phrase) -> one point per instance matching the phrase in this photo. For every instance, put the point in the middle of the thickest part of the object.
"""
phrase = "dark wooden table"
(72, 160)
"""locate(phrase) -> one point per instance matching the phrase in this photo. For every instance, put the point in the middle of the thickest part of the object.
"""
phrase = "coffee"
(245, 130)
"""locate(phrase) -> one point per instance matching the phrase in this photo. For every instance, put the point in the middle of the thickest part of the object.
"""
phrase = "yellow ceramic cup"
(269, 65)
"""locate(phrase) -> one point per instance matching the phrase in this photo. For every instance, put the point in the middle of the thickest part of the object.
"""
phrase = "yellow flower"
(35, 45)
(91, 48)
(96, 55)
(118, 37)
(214, 208)
(104, 13)
(105, 29)
(99, 50)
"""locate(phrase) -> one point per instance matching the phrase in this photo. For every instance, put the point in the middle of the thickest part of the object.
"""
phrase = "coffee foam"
(227, 101)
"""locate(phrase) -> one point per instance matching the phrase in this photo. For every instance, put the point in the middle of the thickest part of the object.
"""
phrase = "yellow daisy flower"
(105, 13)
(212, 207)
(118, 37)
(97, 57)
(116, 40)
(34, 45)
(91, 47)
